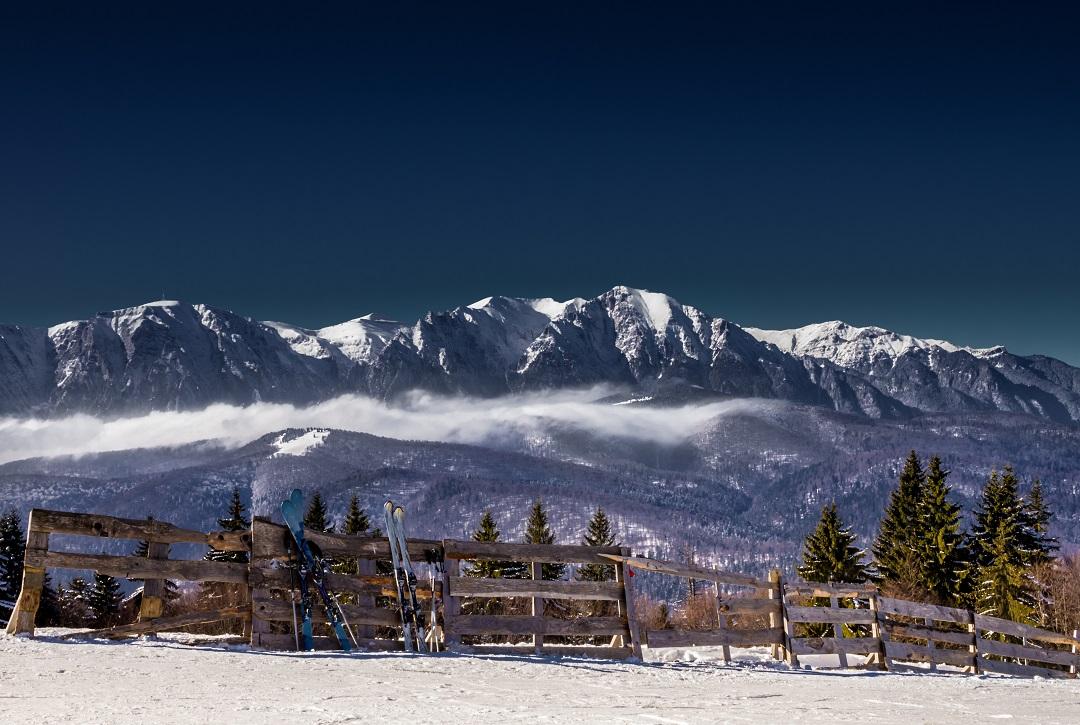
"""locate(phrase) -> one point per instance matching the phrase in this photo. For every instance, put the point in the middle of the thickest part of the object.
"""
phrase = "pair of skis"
(310, 564)
(412, 618)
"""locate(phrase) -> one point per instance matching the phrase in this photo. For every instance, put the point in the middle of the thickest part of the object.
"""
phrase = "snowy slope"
(132, 681)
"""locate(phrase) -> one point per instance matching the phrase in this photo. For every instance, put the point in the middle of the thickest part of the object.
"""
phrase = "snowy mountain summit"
(169, 355)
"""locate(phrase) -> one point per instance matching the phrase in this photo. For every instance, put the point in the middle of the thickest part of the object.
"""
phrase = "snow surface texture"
(301, 444)
(165, 681)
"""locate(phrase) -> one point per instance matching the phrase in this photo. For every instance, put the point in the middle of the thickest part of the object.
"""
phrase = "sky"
(912, 165)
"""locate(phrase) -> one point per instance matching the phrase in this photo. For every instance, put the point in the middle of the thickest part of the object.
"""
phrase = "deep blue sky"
(906, 164)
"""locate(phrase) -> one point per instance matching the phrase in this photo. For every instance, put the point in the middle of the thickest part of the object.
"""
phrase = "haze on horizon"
(913, 167)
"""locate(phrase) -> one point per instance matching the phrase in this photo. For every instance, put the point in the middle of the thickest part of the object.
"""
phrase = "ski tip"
(297, 498)
(389, 506)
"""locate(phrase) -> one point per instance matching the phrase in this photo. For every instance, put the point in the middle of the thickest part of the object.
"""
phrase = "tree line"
(1004, 565)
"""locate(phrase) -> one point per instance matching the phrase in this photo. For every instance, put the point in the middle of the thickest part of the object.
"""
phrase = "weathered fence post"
(451, 603)
(153, 601)
(1075, 650)
(789, 631)
(973, 648)
(26, 606)
(628, 601)
(774, 620)
(537, 606)
(877, 630)
(721, 623)
(838, 633)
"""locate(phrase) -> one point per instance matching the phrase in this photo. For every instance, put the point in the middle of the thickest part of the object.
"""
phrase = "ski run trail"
(168, 681)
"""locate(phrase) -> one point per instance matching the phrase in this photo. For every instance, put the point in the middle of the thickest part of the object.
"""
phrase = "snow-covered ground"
(166, 681)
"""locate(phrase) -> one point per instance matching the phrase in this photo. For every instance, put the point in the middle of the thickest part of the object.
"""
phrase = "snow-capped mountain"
(173, 355)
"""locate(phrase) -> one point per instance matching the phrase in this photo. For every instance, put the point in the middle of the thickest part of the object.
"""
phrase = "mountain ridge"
(171, 355)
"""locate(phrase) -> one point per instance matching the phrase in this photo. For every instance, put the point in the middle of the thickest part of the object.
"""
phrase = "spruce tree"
(233, 521)
(599, 533)
(357, 522)
(1001, 550)
(316, 518)
(12, 554)
(103, 601)
(1038, 514)
(941, 546)
(896, 549)
(74, 603)
(829, 554)
(537, 531)
(487, 531)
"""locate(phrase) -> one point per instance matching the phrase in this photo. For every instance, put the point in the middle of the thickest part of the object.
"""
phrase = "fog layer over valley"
(418, 416)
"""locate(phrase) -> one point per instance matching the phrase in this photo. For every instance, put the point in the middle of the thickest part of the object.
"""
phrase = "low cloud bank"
(417, 417)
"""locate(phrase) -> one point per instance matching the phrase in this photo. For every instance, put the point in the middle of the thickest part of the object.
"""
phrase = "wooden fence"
(847, 620)
(916, 632)
(153, 569)
(537, 623)
(794, 618)
(738, 617)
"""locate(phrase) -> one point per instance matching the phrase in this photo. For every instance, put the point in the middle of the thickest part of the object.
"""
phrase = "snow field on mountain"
(165, 681)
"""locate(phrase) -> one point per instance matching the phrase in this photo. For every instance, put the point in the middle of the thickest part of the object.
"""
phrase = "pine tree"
(316, 518)
(74, 603)
(234, 521)
(537, 531)
(829, 554)
(103, 601)
(12, 553)
(896, 549)
(487, 531)
(599, 533)
(357, 522)
(1038, 513)
(1001, 550)
(941, 546)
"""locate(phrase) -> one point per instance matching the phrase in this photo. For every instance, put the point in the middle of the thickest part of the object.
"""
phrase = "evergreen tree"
(103, 601)
(12, 554)
(74, 603)
(896, 549)
(1001, 549)
(537, 531)
(829, 554)
(234, 521)
(487, 531)
(599, 533)
(1043, 545)
(357, 522)
(941, 547)
(316, 518)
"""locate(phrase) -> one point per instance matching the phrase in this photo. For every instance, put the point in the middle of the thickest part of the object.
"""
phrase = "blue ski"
(312, 565)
